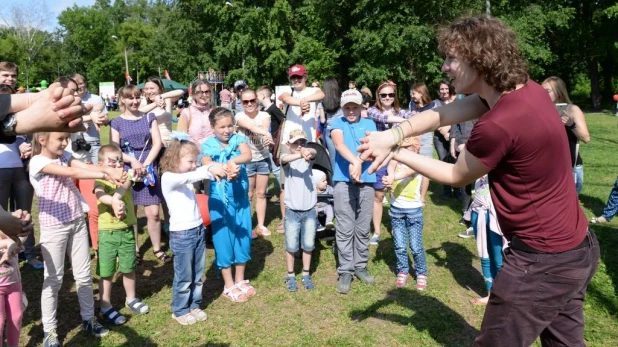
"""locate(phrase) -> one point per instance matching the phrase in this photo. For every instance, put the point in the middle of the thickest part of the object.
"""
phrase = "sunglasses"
(202, 92)
(247, 102)
(300, 142)
(387, 95)
(296, 78)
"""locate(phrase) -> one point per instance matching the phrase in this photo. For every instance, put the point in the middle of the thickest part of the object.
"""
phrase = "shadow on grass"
(593, 203)
(445, 326)
(608, 243)
(459, 261)
(435, 194)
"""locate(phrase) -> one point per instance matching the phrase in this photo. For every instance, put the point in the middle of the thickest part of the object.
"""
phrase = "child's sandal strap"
(246, 288)
(113, 317)
(162, 256)
(137, 306)
(235, 297)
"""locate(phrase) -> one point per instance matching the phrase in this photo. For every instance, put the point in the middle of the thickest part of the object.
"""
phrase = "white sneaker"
(467, 234)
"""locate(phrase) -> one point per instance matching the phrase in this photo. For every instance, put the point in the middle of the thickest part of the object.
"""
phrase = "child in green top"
(116, 239)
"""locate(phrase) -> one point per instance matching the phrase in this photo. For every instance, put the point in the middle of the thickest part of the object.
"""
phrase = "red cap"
(297, 70)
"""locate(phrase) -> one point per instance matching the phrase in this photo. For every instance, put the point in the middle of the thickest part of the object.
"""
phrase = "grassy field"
(379, 315)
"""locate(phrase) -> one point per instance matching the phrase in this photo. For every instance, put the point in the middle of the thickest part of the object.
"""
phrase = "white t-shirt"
(91, 135)
(255, 141)
(180, 197)
(307, 122)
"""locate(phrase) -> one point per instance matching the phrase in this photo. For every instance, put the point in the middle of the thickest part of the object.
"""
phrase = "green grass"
(378, 315)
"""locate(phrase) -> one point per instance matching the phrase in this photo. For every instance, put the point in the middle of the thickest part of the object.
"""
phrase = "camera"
(80, 145)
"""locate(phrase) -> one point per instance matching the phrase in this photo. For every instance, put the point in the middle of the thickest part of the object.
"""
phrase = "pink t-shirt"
(225, 96)
(14, 276)
(199, 125)
(59, 200)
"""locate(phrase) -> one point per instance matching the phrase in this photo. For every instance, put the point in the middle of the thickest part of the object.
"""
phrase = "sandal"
(138, 258)
(263, 230)
(280, 228)
(307, 282)
(291, 283)
(246, 288)
(402, 279)
(599, 220)
(162, 256)
(235, 294)
(113, 317)
(136, 305)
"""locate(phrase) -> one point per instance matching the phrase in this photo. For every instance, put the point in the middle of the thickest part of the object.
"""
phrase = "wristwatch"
(9, 124)
(572, 126)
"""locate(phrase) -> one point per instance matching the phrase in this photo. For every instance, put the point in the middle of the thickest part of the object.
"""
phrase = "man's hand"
(55, 109)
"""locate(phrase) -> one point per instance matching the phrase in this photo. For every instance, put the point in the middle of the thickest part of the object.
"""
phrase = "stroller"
(322, 162)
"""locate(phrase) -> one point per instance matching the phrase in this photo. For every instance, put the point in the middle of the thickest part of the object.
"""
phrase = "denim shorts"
(261, 167)
(379, 174)
(300, 227)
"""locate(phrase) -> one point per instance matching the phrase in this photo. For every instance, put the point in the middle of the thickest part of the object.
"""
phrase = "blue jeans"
(408, 228)
(300, 227)
(276, 170)
(189, 249)
(492, 265)
(612, 203)
(578, 176)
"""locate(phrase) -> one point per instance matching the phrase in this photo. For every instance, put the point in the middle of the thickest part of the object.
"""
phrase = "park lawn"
(376, 315)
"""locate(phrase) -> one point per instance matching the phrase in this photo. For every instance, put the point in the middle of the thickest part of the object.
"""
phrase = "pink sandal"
(238, 296)
(402, 279)
(246, 288)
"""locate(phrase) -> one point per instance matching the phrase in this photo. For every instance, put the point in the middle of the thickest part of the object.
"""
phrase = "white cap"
(351, 95)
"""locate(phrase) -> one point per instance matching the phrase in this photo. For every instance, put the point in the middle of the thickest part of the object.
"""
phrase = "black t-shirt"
(276, 117)
(573, 141)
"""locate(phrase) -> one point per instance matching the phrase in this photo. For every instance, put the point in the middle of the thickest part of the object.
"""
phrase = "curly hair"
(489, 47)
(175, 151)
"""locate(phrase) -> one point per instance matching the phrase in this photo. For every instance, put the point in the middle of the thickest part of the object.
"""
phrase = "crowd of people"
(487, 157)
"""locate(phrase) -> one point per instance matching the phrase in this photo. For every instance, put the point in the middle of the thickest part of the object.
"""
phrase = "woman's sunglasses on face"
(202, 92)
(251, 101)
(387, 95)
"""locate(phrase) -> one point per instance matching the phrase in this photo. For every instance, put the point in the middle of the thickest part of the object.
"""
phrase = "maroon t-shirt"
(522, 140)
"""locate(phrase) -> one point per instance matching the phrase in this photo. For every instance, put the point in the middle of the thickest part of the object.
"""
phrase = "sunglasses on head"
(247, 102)
(387, 95)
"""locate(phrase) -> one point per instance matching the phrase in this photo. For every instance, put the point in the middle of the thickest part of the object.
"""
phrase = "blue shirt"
(352, 134)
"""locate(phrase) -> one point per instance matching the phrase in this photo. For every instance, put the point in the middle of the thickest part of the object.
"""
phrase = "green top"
(107, 219)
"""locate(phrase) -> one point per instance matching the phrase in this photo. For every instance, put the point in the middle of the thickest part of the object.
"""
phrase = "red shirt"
(522, 140)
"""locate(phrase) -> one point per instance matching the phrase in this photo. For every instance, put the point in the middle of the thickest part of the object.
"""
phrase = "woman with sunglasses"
(194, 119)
(254, 125)
(386, 111)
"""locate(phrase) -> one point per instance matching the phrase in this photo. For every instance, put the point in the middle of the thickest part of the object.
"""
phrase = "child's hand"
(26, 222)
(305, 153)
(356, 170)
(305, 107)
(268, 140)
(117, 176)
(219, 171)
(119, 208)
(388, 181)
(232, 170)
(25, 150)
(12, 250)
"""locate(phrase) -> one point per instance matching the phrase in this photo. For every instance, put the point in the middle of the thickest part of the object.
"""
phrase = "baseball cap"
(240, 84)
(297, 70)
(351, 95)
(296, 135)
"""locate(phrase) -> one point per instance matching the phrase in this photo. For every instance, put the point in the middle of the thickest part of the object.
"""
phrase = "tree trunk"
(593, 74)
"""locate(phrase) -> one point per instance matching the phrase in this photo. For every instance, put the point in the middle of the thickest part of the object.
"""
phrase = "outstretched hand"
(219, 171)
(54, 109)
(376, 147)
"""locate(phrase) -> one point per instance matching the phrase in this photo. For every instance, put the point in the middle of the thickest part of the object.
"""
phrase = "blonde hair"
(175, 151)
(36, 145)
(110, 148)
(559, 88)
(126, 92)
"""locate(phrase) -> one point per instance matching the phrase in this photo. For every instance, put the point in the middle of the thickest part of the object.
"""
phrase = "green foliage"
(365, 40)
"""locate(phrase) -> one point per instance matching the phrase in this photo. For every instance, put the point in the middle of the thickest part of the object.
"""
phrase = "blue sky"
(55, 7)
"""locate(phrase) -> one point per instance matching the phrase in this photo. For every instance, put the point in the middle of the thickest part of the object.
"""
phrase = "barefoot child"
(187, 232)
(300, 200)
(63, 229)
(407, 217)
(228, 202)
(116, 239)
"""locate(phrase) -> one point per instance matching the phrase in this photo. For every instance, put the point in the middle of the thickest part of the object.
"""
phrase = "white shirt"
(180, 197)
(307, 122)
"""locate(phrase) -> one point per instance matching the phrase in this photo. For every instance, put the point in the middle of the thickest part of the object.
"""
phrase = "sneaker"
(374, 240)
(187, 319)
(598, 220)
(51, 339)
(463, 221)
(421, 282)
(364, 276)
(467, 234)
(330, 226)
(263, 230)
(344, 283)
(199, 315)
(402, 279)
(320, 228)
(94, 327)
